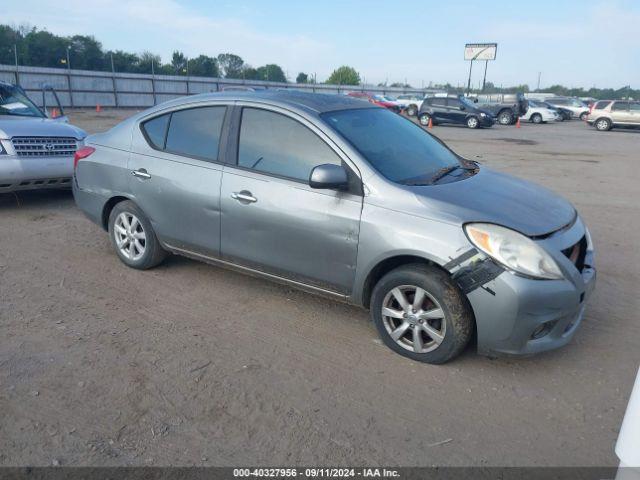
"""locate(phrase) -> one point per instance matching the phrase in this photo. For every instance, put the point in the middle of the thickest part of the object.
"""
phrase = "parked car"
(344, 198)
(411, 103)
(456, 110)
(564, 113)
(607, 114)
(376, 100)
(629, 437)
(537, 113)
(577, 107)
(506, 107)
(35, 151)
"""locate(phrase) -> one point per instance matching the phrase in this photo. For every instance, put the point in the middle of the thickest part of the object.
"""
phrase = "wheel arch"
(108, 207)
(385, 265)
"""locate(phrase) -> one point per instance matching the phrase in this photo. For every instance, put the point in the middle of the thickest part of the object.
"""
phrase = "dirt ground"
(189, 364)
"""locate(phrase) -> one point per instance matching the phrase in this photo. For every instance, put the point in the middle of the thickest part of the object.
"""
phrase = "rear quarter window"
(617, 106)
(155, 131)
(601, 105)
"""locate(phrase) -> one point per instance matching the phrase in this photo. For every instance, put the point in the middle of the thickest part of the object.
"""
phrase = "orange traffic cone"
(518, 123)
(54, 113)
(430, 123)
(98, 108)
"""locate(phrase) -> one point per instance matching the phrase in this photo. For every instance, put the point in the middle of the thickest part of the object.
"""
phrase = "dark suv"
(454, 110)
(507, 107)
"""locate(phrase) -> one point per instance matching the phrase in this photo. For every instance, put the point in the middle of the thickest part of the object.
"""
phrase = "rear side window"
(601, 105)
(156, 130)
(195, 132)
(620, 106)
(278, 145)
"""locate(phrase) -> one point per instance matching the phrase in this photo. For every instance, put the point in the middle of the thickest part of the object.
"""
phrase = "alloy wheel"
(413, 318)
(130, 237)
(472, 122)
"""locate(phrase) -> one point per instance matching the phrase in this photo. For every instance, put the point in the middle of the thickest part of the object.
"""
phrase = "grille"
(577, 253)
(44, 146)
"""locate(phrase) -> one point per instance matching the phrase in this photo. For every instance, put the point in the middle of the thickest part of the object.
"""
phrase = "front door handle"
(140, 173)
(244, 197)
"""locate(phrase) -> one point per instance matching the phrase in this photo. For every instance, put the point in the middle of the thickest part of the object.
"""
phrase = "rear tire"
(424, 119)
(603, 124)
(133, 238)
(536, 118)
(433, 328)
(583, 116)
(505, 117)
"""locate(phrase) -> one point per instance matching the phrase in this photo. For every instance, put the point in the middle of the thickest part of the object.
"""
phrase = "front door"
(272, 220)
(455, 112)
(176, 177)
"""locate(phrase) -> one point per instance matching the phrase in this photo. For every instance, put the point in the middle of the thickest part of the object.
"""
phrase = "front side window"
(439, 102)
(634, 106)
(195, 132)
(397, 148)
(454, 103)
(275, 144)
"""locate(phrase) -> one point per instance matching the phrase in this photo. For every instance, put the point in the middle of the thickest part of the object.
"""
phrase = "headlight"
(513, 250)
(3, 151)
(589, 241)
(482, 114)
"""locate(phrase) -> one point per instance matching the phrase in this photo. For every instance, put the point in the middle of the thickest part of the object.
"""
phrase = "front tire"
(421, 314)
(583, 116)
(133, 238)
(424, 119)
(536, 118)
(412, 110)
(505, 117)
(473, 122)
(603, 124)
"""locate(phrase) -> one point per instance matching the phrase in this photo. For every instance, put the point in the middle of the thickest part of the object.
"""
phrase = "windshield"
(14, 102)
(467, 102)
(397, 148)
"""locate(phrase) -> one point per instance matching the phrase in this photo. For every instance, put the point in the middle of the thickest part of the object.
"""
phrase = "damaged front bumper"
(517, 315)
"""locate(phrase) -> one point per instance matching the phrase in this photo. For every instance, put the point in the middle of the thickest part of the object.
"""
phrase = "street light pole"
(68, 61)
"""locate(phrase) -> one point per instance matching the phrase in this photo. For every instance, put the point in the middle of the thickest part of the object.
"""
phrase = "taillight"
(84, 152)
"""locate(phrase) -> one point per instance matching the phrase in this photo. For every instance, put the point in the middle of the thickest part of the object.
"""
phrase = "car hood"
(493, 197)
(13, 126)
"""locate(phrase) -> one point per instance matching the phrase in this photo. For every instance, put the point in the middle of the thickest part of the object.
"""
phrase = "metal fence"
(84, 88)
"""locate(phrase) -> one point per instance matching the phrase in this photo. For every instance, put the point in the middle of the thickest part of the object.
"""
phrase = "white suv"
(411, 102)
(577, 107)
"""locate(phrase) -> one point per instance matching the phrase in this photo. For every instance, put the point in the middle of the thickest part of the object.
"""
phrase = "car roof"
(314, 102)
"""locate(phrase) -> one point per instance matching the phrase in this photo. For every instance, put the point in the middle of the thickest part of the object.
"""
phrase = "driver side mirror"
(329, 176)
(462, 107)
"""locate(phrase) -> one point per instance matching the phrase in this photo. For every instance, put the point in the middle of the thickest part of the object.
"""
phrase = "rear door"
(454, 112)
(272, 221)
(620, 112)
(176, 172)
(439, 108)
(634, 113)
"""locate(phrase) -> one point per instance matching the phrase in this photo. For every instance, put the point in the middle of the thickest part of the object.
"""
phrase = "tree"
(45, 49)
(204, 66)
(250, 73)
(146, 60)
(272, 73)
(123, 61)
(302, 78)
(344, 75)
(179, 62)
(86, 53)
(230, 65)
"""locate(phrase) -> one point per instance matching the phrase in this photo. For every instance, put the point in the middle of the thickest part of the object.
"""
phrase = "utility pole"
(113, 81)
(68, 61)
(469, 81)
(539, 75)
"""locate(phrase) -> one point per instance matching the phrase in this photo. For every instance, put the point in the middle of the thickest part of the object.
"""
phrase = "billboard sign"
(480, 51)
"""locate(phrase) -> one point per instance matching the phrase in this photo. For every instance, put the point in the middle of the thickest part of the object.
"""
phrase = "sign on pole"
(479, 51)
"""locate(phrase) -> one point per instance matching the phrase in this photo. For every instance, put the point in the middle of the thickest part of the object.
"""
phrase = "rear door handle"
(244, 197)
(140, 173)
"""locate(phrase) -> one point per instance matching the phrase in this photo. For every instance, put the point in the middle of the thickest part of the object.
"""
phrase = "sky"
(577, 43)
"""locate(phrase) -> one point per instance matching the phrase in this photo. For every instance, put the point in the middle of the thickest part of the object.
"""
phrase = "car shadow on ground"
(34, 198)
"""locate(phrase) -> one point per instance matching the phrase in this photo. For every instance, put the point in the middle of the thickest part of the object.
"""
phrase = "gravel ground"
(189, 364)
